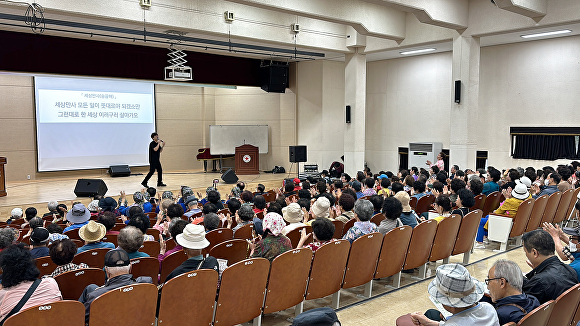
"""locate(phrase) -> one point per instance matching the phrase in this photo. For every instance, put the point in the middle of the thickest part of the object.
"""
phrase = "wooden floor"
(38, 193)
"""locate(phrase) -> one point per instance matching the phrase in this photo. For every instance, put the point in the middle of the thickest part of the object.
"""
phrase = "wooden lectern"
(247, 160)
(2, 177)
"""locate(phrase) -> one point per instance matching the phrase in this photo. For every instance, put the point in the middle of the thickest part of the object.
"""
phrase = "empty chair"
(218, 236)
(466, 235)
(565, 306)
(551, 207)
(445, 238)
(291, 267)
(479, 202)
(242, 291)
(198, 286)
(45, 265)
(111, 308)
(327, 270)
(491, 203)
(73, 234)
(338, 227)
(563, 206)
(62, 313)
(112, 238)
(394, 250)
(151, 248)
(72, 284)
(232, 250)
(362, 262)
(145, 266)
(537, 213)
(377, 218)
(420, 246)
(571, 207)
(245, 232)
(95, 258)
(170, 263)
(347, 226)
(413, 202)
(503, 227)
(424, 203)
(538, 316)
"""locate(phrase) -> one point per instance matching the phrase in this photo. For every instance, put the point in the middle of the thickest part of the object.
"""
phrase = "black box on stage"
(297, 154)
(90, 187)
(230, 176)
(119, 171)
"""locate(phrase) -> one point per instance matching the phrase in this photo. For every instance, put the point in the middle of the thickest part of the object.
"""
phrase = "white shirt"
(481, 315)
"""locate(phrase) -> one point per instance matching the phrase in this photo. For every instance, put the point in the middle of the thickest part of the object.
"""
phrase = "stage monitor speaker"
(457, 91)
(119, 171)
(274, 77)
(230, 176)
(348, 114)
(90, 187)
(297, 154)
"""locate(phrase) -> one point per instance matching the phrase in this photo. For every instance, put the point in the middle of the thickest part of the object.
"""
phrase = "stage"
(39, 192)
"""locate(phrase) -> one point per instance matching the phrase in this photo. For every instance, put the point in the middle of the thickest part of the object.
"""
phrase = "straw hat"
(92, 232)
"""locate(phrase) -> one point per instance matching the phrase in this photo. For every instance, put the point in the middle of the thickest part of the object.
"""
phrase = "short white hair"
(16, 212)
(52, 205)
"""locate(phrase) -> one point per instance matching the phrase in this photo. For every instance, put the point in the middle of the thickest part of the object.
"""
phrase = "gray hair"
(211, 221)
(246, 213)
(130, 239)
(7, 236)
(52, 205)
(510, 271)
(16, 213)
(363, 209)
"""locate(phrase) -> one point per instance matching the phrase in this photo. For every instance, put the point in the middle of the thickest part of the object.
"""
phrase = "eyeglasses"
(491, 279)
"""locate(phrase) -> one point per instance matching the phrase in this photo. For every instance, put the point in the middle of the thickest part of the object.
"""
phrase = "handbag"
(22, 301)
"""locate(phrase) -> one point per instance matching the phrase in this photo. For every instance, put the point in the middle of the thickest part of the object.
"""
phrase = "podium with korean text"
(247, 160)
(2, 177)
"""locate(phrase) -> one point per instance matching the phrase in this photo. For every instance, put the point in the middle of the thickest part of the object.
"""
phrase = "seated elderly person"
(459, 294)
(7, 237)
(131, 239)
(244, 216)
(117, 268)
(211, 221)
(141, 221)
(346, 206)
(504, 281)
(77, 217)
(15, 214)
(55, 233)
(273, 242)
(191, 204)
(363, 212)
(92, 234)
(19, 274)
(392, 209)
(294, 215)
(320, 208)
(108, 219)
(323, 231)
(39, 242)
(52, 208)
(443, 207)
(193, 242)
(62, 253)
(408, 216)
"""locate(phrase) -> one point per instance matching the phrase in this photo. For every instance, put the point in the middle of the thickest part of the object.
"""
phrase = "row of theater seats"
(531, 214)
(290, 279)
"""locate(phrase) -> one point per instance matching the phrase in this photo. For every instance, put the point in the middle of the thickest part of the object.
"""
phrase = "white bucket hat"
(520, 191)
(321, 206)
(193, 237)
(454, 287)
(293, 213)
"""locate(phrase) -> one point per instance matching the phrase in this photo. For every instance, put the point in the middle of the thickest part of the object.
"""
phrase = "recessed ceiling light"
(565, 31)
(418, 51)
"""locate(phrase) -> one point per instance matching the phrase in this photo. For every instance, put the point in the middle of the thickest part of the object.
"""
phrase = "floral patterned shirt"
(271, 246)
(359, 229)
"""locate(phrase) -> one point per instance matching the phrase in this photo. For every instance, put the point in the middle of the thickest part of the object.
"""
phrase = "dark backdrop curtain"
(544, 147)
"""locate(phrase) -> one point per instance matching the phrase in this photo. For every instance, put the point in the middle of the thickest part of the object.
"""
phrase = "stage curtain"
(545, 147)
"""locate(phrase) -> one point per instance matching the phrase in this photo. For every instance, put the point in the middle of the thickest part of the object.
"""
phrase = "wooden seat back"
(218, 236)
(522, 217)
(347, 226)
(362, 260)
(537, 213)
(445, 237)
(491, 203)
(563, 206)
(151, 248)
(413, 202)
(232, 250)
(111, 308)
(154, 233)
(393, 251)
(170, 244)
(245, 232)
(295, 235)
(72, 283)
(118, 226)
(424, 204)
(420, 244)
(467, 232)
(112, 238)
(95, 258)
(170, 263)
(327, 270)
(551, 207)
(198, 286)
(242, 290)
(338, 227)
(571, 207)
(565, 306)
(73, 234)
(145, 266)
(479, 202)
(377, 218)
(62, 313)
(538, 316)
(45, 265)
(291, 267)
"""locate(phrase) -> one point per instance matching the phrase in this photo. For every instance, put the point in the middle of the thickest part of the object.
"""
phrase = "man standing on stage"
(155, 148)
